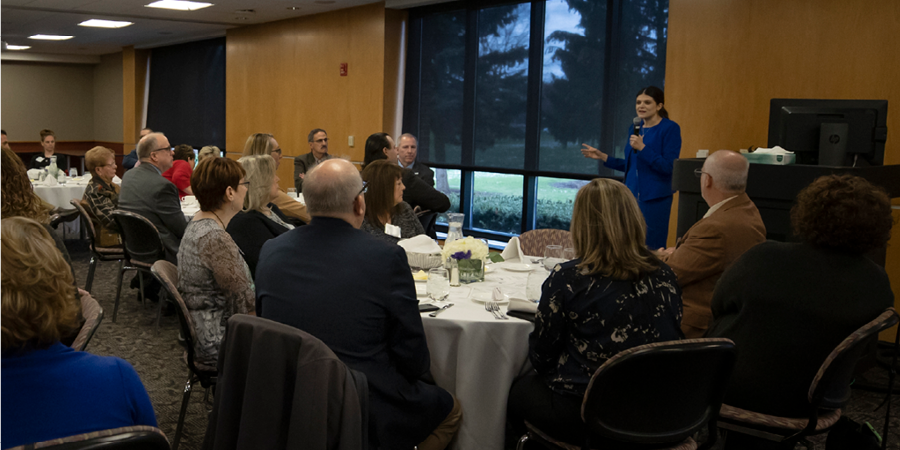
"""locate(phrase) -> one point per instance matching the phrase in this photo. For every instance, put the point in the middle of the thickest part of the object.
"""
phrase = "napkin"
(50, 181)
(513, 250)
(419, 244)
(521, 305)
(776, 150)
(117, 180)
(34, 174)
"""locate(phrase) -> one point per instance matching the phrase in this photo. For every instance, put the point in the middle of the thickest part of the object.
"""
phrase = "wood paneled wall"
(134, 80)
(284, 78)
(727, 58)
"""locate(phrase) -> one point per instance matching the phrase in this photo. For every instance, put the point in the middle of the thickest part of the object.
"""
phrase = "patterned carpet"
(156, 355)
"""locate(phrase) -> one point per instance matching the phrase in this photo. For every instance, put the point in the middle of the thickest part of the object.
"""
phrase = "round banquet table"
(60, 195)
(476, 357)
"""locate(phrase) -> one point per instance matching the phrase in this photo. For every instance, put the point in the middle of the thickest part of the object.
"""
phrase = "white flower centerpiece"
(468, 256)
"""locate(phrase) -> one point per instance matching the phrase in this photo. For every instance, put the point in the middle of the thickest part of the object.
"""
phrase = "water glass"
(568, 253)
(553, 255)
(438, 287)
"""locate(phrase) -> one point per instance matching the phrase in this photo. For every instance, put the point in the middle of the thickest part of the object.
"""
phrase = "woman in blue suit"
(649, 158)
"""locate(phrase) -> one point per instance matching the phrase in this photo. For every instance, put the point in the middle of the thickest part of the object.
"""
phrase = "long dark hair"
(381, 176)
(375, 145)
(658, 96)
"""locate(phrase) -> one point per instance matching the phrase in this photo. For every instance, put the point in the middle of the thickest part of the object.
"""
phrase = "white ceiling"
(152, 27)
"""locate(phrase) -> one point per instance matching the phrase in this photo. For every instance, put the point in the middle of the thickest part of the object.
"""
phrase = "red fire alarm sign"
(343, 69)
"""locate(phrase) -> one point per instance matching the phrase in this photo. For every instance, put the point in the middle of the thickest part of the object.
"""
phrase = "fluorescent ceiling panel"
(100, 23)
(180, 5)
(49, 37)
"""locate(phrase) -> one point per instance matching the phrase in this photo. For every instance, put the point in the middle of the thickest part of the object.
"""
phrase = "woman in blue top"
(649, 158)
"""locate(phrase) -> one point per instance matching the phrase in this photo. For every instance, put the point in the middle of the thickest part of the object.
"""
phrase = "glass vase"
(470, 270)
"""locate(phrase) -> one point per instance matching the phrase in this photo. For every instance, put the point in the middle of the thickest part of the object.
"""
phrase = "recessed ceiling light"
(293, 8)
(180, 5)
(18, 47)
(49, 37)
(100, 23)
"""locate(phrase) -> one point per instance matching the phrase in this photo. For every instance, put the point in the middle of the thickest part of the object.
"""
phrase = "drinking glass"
(568, 253)
(438, 286)
(553, 255)
(292, 192)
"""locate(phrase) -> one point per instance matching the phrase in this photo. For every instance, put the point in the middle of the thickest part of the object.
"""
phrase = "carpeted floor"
(157, 357)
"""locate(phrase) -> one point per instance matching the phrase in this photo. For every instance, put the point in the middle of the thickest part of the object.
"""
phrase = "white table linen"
(60, 195)
(476, 357)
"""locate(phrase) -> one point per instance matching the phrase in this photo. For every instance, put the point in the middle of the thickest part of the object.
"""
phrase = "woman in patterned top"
(384, 202)
(212, 276)
(261, 219)
(101, 197)
(614, 296)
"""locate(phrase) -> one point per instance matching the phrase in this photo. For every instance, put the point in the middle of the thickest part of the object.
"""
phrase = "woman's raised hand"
(593, 153)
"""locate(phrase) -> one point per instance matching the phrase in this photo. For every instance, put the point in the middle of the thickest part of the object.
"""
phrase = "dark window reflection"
(440, 110)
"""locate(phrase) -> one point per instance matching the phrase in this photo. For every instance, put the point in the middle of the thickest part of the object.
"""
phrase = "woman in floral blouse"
(102, 195)
(614, 296)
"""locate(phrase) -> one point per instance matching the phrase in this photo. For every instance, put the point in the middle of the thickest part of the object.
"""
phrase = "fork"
(495, 307)
(490, 309)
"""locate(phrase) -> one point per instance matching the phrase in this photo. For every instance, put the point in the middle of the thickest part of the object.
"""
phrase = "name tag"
(40, 159)
(392, 230)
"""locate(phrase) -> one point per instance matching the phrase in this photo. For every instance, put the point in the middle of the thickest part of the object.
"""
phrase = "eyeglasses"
(244, 183)
(364, 189)
(699, 173)
(277, 150)
(161, 149)
(321, 141)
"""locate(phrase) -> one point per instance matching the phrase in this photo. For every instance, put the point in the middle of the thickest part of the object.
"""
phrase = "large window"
(503, 94)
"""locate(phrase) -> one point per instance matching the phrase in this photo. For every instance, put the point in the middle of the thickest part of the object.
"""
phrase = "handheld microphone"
(637, 129)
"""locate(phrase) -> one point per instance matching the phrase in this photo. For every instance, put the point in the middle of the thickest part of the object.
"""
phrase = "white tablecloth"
(476, 357)
(60, 195)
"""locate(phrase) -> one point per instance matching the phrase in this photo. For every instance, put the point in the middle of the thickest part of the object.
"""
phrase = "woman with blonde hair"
(385, 208)
(265, 144)
(58, 391)
(101, 197)
(206, 152)
(261, 219)
(615, 295)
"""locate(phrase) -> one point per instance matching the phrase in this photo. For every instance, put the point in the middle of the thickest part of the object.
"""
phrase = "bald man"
(730, 227)
(356, 293)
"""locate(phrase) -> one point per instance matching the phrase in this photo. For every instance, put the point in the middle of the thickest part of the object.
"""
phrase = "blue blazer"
(662, 146)
(357, 295)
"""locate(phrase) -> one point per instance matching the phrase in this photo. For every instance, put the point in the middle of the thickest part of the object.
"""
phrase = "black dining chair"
(98, 253)
(138, 437)
(143, 247)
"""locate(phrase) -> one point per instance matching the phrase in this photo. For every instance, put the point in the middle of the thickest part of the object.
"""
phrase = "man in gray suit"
(318, 152)
(408, 147)
(146, 192)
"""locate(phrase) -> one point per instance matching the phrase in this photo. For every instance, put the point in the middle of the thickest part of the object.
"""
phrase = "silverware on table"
(496, 308)
(489, 307)
(442, 309)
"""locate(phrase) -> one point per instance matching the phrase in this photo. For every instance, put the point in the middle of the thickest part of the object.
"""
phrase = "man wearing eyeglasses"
(730, 227)
(318, 153)
(146, 192)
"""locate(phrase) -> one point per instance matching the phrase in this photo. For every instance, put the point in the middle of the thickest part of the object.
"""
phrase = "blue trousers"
(656, 214)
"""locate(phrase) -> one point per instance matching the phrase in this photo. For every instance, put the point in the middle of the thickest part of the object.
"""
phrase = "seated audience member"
(182, 168)
(43, 159)
(261, 220)
(207, 151)
(305, 278)
(265, 144)
(146, 192)
(730, 227)
(614, 296)
(102, 195)
(318, 153)
(385, 208)
(51, 391)
(786, 306)
(212, 276)
(418, 194)
(408, 147)
(130, 161)
(19, 200)
(4, 140)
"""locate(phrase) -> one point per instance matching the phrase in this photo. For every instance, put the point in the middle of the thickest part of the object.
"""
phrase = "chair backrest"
(533, 242)
(62, 215)
(140, 236)
(167, 274)
(661, 392)
(831, 386)
(93, 315)
(138, 437)
(87, 221)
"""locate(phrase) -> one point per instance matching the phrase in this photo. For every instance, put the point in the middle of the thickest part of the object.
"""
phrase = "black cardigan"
(251, 229)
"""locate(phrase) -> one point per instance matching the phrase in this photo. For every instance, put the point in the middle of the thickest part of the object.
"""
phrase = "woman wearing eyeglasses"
(212, 276)
(102, 195)
(388, 217)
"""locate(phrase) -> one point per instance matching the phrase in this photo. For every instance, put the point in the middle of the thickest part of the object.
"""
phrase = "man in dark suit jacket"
(730, 227)
(318, 153)
(357, 295)
(146, 192)
(408, 147)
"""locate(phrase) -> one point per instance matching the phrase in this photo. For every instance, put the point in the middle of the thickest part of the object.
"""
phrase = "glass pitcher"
(455, 226)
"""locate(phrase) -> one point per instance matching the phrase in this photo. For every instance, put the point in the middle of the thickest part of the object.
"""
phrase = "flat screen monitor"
(843, 133)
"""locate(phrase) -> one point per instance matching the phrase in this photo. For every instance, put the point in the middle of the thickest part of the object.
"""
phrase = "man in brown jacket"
(730, 227)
